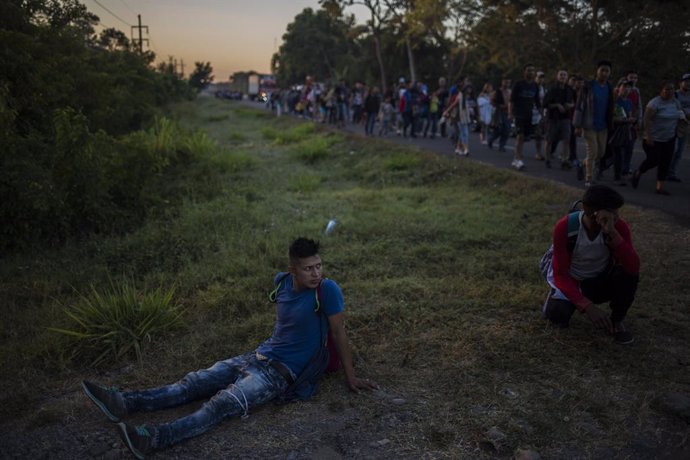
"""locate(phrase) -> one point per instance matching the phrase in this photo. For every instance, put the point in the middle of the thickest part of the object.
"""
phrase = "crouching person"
(593, 261)
(285, 367)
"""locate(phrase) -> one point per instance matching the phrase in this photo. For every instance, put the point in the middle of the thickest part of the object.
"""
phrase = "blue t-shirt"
(296, 336)
(601, 103)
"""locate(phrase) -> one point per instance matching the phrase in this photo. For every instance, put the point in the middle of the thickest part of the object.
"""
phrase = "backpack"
(573, 229)
(325, 360)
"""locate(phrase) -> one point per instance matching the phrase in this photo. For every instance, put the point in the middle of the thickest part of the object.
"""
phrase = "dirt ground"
(337, 424)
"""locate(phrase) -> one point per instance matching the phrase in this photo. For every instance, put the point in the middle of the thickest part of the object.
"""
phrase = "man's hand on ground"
(599, 318)
(355, 384)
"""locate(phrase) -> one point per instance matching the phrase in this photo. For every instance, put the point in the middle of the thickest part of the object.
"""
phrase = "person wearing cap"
(597, 264)
(683, 96)
(593, 118)
(660, 124)
(285, 367)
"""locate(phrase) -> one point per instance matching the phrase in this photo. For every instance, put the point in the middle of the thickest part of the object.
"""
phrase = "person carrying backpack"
(592, 261)
(285, 367)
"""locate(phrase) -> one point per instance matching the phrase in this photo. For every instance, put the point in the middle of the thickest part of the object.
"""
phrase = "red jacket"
(622, 251)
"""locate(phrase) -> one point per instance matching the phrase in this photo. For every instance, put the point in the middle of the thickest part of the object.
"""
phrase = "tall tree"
(379, 18)
(315, 43)
(202, 76)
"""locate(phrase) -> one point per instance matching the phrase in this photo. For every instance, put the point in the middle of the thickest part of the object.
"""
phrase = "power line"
(113, 14)
(130, 9)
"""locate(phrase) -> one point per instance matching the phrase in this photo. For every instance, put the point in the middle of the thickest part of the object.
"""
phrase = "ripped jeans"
(233, 385)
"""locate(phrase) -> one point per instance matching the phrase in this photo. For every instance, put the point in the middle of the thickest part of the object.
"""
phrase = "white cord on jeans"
(245, 406)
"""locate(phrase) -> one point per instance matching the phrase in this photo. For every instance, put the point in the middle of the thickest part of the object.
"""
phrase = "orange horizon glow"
(233, 35)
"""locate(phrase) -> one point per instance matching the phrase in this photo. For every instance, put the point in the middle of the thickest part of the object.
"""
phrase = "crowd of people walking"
(610, 118)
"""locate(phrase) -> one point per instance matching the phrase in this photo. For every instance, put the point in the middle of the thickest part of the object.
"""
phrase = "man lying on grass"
(285, 367)
(593, 261)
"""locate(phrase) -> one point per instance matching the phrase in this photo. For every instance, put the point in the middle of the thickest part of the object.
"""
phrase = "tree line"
(485, 39)
(68, 100)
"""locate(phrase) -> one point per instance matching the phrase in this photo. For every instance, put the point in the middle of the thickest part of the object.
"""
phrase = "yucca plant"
(165, 135)
(118, 321)
(199, 144)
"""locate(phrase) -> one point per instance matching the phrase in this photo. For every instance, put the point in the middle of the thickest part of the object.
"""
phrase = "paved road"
(677, 205)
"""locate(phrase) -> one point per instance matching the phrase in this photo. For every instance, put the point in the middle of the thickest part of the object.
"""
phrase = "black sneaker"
(108, 400)
(139, 439)
(622, 335)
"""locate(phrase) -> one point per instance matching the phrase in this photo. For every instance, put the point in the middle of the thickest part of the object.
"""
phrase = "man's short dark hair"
(524, 67)
(303, 247)
(604, 62)
(602, 197)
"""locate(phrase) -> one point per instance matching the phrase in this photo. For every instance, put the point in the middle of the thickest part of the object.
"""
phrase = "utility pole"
(141, 40)
(182, 68)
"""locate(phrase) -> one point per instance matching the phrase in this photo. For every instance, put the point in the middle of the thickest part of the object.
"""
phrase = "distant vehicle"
(226, 94)
(252, 85)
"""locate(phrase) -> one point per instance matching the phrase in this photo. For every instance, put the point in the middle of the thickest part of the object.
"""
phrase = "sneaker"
(520, 164)
(622, 335)
(458, 151)
(538, 157)
(663, 191)
(514, 163)
(108, 400)
(588, 184)
(139, 439)
(566, 165)
(548, 164)
(466, 152)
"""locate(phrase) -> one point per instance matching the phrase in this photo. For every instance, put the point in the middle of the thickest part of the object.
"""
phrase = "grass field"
(437, 259)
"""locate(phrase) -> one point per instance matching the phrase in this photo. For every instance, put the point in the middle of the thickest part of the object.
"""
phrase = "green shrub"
(199, 144)
(214, 118)
(403, 162)
(117, 322)
(311, 150)
(305, 183)
(298, 133)
(270, 133)
(165, 135)
(236, 137)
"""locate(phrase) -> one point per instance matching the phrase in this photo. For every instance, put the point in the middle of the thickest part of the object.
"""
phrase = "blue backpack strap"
(573, 229)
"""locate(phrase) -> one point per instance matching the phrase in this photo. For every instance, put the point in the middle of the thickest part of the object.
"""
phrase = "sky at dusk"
(233, 35)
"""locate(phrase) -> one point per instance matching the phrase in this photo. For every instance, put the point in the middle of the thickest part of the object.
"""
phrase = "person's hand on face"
(606, 220)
